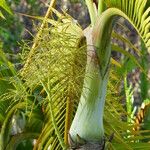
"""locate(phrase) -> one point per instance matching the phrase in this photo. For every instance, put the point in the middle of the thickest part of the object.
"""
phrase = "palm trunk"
(87, 131)
(88, 121)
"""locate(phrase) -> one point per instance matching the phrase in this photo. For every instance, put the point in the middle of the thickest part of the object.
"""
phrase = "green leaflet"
(58, 65)
(137, 13)
(1, 15)
(16, 140)
(5, 7)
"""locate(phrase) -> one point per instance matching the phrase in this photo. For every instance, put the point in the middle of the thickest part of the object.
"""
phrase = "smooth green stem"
(92, 11)
(102, 36)
(101, 6)
(143, 76)
(6, 127)
(88, 121)
(128, 93)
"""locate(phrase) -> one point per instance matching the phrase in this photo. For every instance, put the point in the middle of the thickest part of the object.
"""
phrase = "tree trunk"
(90, 146)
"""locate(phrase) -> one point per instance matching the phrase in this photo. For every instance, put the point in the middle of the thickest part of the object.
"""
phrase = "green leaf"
(3, 108)
(17, 139)
(125, 40)
(4, 86)
(6, 127)
(137, 13)
(61, 79)
(5, 6)
(133, 58)
(135, 146)
(1, 15)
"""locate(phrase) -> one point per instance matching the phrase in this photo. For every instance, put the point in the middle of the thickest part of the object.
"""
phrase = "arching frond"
(57, 70)
(137, 13)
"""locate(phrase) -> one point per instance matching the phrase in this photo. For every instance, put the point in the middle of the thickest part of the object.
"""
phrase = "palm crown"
(59, 95)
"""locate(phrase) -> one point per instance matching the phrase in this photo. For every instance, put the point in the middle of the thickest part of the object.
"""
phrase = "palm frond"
(57, 71)
(4, 5)
(137, 13)
(16, 139)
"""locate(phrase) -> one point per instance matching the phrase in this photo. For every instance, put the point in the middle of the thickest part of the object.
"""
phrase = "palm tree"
(65, 78)
(87, 122)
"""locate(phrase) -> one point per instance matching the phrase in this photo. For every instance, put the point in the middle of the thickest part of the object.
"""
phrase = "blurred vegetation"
(13, 29)
(18, 27)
